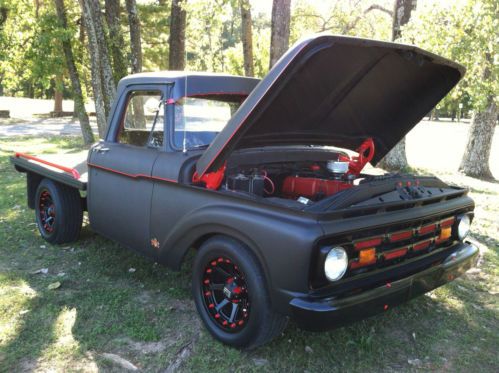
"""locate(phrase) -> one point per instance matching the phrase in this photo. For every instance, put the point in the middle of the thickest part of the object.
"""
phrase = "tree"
(103, 85)
(116, 41)
(279, 37)
(466, 33)
(482, 40)
(86, 130)
(247, 37)
(177, 35)
(135, 40)
(396, 159)
(475, 160)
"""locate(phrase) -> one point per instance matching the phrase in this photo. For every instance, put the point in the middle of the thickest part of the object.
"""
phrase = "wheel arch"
(195, 237)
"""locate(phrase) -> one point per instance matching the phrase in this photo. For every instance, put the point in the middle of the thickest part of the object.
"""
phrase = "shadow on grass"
(116, 308)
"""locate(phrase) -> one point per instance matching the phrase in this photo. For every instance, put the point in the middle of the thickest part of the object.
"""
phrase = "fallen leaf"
(43, 271)
(54, 285)
(414, 362)
(308, 349)
(131, 270)
(125, 364)
(259, 362)
(61, 274)
(43, 247)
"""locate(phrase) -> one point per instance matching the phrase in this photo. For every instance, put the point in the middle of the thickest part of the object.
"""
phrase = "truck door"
(120, 184)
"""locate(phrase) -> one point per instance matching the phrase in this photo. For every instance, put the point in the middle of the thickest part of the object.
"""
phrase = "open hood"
(337, 91)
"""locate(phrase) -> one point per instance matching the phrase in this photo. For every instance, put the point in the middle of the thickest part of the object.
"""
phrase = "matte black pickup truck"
(264, 179)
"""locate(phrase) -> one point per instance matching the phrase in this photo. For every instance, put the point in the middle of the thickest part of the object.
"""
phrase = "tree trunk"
(86, 130)
(116, 41)
(58, 94)
(279, 38)
(101, 71)
(401, 16)
(178, 22)
(396, 159)
(247, 37)
(475, 160)
(135, 43)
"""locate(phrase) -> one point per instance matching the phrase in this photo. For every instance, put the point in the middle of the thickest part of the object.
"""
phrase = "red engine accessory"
(296, 186)
(366, 154)
(211, 180)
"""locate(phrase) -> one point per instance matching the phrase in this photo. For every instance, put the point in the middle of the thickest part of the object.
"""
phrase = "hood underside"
(337, 91)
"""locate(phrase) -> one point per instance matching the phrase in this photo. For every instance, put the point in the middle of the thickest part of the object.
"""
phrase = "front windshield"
(199, 120)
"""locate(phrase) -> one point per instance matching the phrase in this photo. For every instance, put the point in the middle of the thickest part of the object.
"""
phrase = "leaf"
(54, 285)
(415, 362)
(43, 271)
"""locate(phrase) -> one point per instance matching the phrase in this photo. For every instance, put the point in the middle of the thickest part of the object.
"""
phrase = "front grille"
(393, 245)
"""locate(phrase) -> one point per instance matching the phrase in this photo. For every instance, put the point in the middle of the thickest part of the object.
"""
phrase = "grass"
(114, 301)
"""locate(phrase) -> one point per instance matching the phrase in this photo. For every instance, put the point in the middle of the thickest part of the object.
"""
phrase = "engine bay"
(318, 179)
(305, 182)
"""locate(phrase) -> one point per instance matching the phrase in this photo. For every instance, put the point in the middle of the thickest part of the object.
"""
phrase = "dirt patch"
(146, 347)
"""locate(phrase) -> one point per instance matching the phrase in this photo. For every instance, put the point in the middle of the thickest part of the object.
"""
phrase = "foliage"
(466, 32)
(31, 55)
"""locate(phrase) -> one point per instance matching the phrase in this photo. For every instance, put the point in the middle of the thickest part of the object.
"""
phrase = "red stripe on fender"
(132, 176)
(72, 171)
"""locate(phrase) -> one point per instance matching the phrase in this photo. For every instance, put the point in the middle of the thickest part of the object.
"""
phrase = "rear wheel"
(231, 295)
(58, 210)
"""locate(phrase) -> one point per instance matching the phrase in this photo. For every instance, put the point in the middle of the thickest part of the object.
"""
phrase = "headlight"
(336, 263)
(463, 227)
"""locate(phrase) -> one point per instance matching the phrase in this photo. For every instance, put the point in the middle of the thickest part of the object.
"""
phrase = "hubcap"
(47, 211)
(225, 294)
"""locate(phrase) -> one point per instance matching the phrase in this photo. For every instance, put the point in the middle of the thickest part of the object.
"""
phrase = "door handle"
(100, 149)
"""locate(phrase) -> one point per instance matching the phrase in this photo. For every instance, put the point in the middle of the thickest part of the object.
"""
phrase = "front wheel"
(231, 295)
(58, 212)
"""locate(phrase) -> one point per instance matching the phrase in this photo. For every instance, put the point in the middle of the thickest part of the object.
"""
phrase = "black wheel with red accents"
(231, 295)
(58, 210)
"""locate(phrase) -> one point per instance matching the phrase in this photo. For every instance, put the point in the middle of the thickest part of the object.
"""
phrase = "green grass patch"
(147, 317)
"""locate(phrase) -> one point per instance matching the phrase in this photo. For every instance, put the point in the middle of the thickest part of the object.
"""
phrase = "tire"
(254, 322)
(58, 212)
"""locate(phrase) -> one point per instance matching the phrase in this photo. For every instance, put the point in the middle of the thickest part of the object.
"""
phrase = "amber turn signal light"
(445, 233)
(367, 256)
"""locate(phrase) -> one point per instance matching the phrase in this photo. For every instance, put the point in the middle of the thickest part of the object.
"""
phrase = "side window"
(143, 122)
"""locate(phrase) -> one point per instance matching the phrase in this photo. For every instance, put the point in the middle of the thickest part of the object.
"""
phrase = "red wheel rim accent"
(225, 294)
(47, 212)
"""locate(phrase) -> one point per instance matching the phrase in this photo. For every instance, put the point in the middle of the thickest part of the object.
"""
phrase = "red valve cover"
(296, 186)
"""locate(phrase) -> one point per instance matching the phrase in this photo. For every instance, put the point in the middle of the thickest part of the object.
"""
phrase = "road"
(45, 127)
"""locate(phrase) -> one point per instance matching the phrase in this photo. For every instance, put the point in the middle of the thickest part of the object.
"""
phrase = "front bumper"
(327, 313)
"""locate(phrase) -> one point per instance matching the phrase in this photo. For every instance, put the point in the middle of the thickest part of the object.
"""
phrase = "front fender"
(282, 241)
